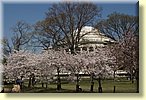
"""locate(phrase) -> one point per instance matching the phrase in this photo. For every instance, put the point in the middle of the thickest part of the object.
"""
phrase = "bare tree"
(44, 36)
(64, 22)
(6, 46)
(124, 29)
(131, 53)
(21, 35)
(125, 54)
(117, 25)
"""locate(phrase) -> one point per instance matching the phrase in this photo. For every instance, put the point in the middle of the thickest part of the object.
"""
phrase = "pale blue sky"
(33, 12)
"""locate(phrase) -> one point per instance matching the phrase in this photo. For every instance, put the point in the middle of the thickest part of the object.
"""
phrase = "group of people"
(16, 87)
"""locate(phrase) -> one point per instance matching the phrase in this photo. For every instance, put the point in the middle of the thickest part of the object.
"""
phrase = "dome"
(88, 30)
(91, 36)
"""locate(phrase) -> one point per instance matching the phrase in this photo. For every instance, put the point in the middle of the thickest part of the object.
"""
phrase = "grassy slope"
(122, 86)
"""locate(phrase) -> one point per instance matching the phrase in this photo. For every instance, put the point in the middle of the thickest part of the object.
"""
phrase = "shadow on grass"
(50, 90)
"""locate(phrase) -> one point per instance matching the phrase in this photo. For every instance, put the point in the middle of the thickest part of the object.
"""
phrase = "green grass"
(122, 86)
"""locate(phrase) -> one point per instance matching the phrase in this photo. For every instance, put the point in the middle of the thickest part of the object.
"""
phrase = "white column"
(81, 50)
(88, 49)
(93, 48)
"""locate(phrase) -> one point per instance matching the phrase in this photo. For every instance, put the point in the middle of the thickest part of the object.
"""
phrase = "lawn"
(122, 86)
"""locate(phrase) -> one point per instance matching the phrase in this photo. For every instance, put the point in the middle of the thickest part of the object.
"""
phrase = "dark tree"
(6, 46)
(43, 37)
(118, 24)
(20, 38)
(124, 29)
(21, 35)
(92, 82)
(64, 22)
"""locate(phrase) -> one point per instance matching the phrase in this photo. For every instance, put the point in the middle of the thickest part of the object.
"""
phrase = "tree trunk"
(33, 80)
(42, 85)
(72, 50)
(114, 89)
(99, 88)
(77, 83)
(92, 83)
(114, 81)
(30, 82)
(132, 80)
(58, 79)
(137, 80)
(131, 75)
(46, 85)
(114, 74)
(46, 82)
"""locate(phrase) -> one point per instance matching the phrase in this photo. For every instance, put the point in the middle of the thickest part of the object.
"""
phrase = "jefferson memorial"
(92, 39)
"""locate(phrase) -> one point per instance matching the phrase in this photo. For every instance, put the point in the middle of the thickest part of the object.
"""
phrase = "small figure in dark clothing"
(19, 82)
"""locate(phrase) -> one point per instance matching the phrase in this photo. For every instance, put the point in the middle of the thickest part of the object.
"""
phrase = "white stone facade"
(92, 39)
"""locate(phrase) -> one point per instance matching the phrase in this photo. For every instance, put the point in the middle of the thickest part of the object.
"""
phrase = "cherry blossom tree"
(58, 61)
(20, 63)
(97, 66)
(26, 64)
(50, 63)
(125, 55)
(76, 66)
(29, 65)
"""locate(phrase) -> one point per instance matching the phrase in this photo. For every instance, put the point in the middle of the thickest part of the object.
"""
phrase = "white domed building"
(92, 39)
